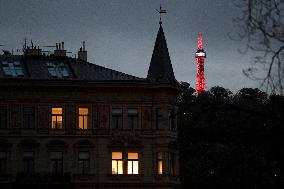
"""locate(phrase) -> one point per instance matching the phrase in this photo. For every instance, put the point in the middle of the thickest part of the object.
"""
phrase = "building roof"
(35, 66)
(52, 68)
(160, 69)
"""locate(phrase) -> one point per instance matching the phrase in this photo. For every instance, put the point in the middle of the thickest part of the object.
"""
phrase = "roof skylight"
(57, 70)
(13, 69)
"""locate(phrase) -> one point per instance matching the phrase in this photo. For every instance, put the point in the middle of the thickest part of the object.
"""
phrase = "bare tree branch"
(261, 24)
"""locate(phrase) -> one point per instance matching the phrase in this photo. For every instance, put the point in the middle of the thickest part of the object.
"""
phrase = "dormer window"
(13, 69)
(57, 70)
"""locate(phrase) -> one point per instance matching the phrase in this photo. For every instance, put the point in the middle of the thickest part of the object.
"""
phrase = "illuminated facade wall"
(103, 135)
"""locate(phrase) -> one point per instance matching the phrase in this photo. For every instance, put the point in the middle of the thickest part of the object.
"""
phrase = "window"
(3, 163)
(13, 69)
(83, 118)
(56, 163)
(116, 118)
(159, 119)
(3, 117)
(172, 163)
(117, 163)
(84, 162)
(28, 118)
(132, 119)
(28, 163)
(57, 70)
(56, 118)
(160, 157)
(131, 159)
(171, 120)
(132, 163)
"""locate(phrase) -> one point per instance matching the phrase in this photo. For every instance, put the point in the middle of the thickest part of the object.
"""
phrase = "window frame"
(171, 120)
(3, 162)
(83, 117)
(172, 163)
(158, 161)
(30, 116)
(117, 118)
(28, 163)
(159, 118)
(58, 162)
(132, 118)
(56, 120)
(128, 160)
(3, 117)
(85, 169)
(125, 161)
(117, 160)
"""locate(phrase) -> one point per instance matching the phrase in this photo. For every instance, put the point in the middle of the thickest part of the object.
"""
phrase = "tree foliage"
(231, 141)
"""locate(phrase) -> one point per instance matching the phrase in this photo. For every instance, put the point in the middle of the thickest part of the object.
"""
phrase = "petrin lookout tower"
(200, 56)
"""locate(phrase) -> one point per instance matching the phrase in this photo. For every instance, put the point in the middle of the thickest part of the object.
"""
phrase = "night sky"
(120, 34)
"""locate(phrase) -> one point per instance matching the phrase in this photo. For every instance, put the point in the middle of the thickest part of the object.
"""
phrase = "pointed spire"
(160, 66)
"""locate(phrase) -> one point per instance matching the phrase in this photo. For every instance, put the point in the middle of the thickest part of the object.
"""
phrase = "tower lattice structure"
(200, 56)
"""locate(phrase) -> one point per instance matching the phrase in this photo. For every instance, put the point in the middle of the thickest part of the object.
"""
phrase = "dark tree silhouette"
(231, 141)
(262, 25)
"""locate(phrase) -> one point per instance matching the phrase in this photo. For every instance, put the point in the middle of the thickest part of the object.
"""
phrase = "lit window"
(57, 70)
(172, 163)
(3, 163)
(83, 118)
(56, 118)
(84, 162)
(132, 119)
(159, 119)
(56, 160)
(13, 69)
(117, 163)
(117, 118)
(132, 163)
(171, 120)
(28, 163)
(3, 117)
(160, 162)
(28, 118)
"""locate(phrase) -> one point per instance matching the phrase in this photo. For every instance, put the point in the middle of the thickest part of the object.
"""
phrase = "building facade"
(67, 123)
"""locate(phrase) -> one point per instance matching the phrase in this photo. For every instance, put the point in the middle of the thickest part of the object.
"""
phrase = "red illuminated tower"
(200, 56)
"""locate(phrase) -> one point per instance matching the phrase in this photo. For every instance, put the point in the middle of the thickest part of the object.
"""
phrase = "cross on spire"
(161, 11)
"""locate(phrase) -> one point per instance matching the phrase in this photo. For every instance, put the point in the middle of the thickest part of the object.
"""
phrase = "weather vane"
(161, 11)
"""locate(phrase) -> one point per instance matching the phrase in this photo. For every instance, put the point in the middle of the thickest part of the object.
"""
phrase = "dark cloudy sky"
(120, 34)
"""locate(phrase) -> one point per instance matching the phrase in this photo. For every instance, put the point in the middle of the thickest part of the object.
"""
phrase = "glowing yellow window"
(83, 118)
(117, 163)
(56, 118)
(160, 163)
(132, 163)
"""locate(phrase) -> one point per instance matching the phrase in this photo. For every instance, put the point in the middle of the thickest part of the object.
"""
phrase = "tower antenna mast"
(200, 56)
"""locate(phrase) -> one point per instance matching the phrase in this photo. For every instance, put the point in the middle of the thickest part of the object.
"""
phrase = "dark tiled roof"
(66, 68)
(36, 68)
(160, 67)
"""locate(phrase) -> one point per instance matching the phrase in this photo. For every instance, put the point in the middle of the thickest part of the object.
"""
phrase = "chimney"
(32, 51)
(82, 53)
(60, 52)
